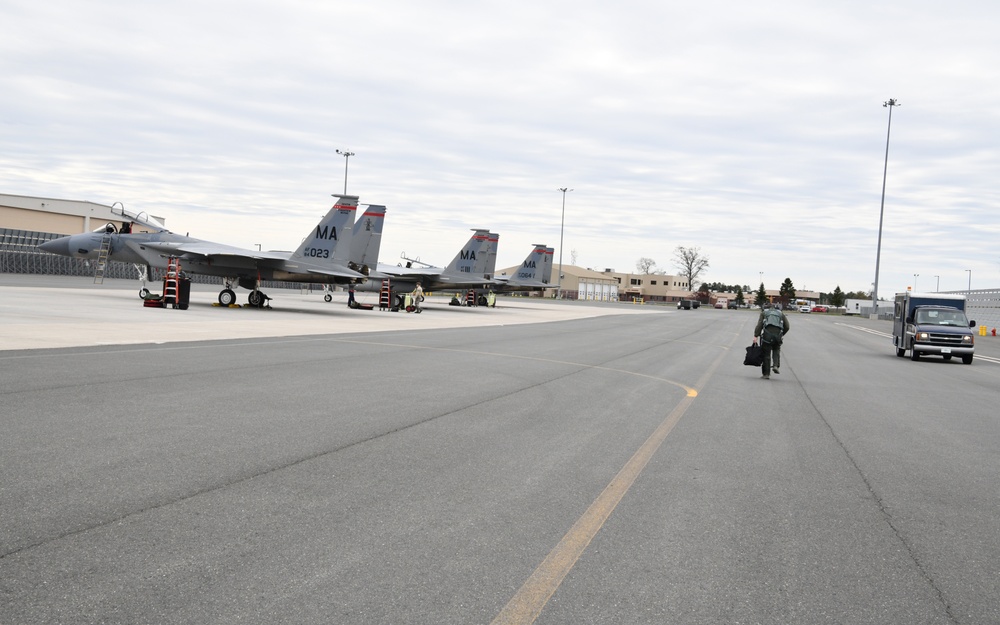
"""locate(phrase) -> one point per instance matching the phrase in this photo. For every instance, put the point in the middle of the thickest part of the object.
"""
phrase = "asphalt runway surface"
(558, 464)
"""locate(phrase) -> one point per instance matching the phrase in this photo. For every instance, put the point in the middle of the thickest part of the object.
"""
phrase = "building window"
(652, 283)
(635, 282)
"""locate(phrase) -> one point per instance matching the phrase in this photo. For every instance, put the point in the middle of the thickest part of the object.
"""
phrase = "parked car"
(804, 309)
(821, 309)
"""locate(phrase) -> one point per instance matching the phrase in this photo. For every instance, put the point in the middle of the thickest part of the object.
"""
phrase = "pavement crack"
(886, 514)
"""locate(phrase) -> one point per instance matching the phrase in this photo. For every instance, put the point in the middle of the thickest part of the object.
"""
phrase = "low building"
(652, 287)
(64, 217)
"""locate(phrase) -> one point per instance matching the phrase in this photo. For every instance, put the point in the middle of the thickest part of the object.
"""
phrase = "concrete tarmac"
(619, 468)
(59, 311)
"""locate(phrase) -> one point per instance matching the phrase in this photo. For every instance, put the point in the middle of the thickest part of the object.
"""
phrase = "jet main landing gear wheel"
(227, 297)
(256, 299)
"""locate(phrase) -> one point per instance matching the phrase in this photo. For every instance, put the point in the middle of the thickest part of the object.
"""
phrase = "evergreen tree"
(703, 294)
(837, 299)
(761, 296)
(739, 296)
(787, 292)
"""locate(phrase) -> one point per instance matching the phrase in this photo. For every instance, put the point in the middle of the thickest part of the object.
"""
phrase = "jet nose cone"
(56, 246)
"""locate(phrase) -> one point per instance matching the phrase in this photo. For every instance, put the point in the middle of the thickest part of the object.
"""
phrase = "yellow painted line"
(525, 606)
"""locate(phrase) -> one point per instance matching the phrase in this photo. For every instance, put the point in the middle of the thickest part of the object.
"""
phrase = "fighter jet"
(470, 269)
(535, 273)
(322, 258)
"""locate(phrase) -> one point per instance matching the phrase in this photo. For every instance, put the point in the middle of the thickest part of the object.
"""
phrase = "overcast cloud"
(754, 131)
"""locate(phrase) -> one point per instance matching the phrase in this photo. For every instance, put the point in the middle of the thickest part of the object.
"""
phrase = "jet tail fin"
(491, 255)
(547, 271)
(537, 267)
(331, 239)
(467, 261)
(367, 238)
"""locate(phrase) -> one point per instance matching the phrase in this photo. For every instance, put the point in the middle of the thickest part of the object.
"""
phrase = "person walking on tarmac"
(772, 326)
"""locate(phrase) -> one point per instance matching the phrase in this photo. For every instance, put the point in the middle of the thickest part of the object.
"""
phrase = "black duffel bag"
(755, 356)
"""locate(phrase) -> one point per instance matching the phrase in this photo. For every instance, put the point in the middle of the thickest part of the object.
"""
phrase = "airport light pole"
(937, 284)
(915, 276)
(347, 156)
(562, 223)
(890, 103)
(968, 291)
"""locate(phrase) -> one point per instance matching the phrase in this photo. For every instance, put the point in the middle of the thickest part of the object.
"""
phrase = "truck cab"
(932, 325)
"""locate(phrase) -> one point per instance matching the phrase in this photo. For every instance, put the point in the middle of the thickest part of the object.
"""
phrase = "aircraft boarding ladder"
(102, 258)
(171, 283)
(385, 296)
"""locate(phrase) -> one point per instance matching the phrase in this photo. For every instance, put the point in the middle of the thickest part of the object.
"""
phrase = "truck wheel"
(914, 354)
(900, 352)
(967, 359)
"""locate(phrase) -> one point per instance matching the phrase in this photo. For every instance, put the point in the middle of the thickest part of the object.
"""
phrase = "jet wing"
(219, 254)
(345, 273)
(208, 250)
(463, 281)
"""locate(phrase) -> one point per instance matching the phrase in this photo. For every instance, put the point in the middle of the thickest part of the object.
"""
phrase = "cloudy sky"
(754, 131)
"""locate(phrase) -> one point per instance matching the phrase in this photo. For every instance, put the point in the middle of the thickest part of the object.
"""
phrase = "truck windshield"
(942, 318)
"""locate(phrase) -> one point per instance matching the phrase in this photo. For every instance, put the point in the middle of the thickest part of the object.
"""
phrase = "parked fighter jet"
(468, 270)
(535, 273)
(322, 258)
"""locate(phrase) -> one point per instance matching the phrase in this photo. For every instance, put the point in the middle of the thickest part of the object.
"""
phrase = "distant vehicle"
(863, 307)
(804, 309)
(722, 302)
(821, 309)
(932, 324)
(684, 304)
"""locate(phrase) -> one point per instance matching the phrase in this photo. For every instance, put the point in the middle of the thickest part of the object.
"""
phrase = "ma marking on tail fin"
(537, 267)
(468, 259)
(321, 244)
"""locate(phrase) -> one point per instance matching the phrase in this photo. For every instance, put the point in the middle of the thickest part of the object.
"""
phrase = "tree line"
(691, 263)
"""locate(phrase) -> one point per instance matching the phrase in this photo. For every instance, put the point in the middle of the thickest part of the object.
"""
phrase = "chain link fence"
(19, 253)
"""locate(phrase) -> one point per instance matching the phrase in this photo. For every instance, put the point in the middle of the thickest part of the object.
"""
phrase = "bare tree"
(645, 265)
(690, 262)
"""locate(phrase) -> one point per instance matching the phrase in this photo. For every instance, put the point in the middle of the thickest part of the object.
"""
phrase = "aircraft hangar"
(55, 216)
